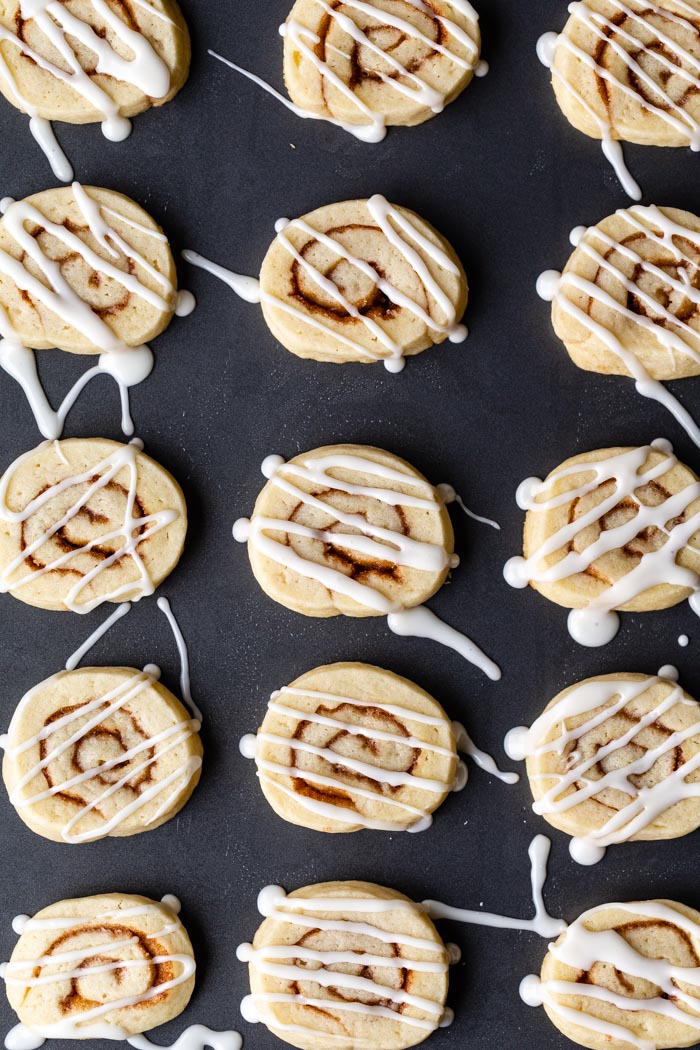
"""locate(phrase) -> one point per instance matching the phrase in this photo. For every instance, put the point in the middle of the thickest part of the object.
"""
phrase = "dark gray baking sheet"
(505, 178)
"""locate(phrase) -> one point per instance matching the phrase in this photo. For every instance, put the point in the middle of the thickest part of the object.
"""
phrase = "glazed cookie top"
(87, 520)
(83, 269)
(366, 65)
(613, 759)
(612, 529)
(347, 529)
(348, 962)
(624, 975)
(100, 751)
(106, 967)
(351, 746)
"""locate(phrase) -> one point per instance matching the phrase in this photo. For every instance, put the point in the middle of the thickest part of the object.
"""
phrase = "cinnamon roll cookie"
(345, 963)
(627, 69)
(87, 61)
(83, 269)
(347, 529)
(614, 529)
(624, 975)
(100, 751)
(87, 520)
(104, 967)
(350, 746)
(613, 759)
(362, 280)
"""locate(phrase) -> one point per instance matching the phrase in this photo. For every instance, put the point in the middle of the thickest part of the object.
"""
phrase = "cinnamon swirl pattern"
(350, 746)
(615, 759)
(628, 301)
(86, 520)
(104, 967)
(615, 529)
(97, 60)
(346, 964)
(630, 70)
(100, 751)
(624, 975)
(355, 530)
(364, 65)
(357, 281)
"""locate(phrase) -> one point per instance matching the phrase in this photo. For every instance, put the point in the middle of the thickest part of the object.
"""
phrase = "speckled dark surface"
(505, 178)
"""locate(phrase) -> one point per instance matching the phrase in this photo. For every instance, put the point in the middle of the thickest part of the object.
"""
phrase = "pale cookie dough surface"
(388, 42)
(101, 932)
(636, 275)
(588, 734)
(320, 304)
(376, 992)
(35, 88)
(578, 590)
(64, 511)
(382, 785)
(630, 67)
(95, 268)
(643, 958)
(100, 751)
(316, 503)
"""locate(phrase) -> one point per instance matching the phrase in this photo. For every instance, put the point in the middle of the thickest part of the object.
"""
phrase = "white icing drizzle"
(134, 530)
(673, 334)
(185, 684)
(128, 366)
(88, 1023)
(409, 242)
(145, 70)
(543, 924)
(449, 495)
(687, 67)
(367, 539)
(372, 125)
(599, 701)
(92, 640)
(598, 622)
(146, 754)
(268, 771)
(196, 1037)
(581, 948)
(297, 911)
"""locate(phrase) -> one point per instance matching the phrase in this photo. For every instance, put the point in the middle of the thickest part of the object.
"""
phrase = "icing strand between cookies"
(599, 701)
(366, 539)
(598, 623)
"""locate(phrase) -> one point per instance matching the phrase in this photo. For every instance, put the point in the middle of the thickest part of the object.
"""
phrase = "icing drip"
(134, 530)
(597, 622)
(624, 36)
(185, 684)
(403, 235)
(51, 969)
(543, 924)
(371, 125)
(59, 26)
(376, 775)
(582, 948)
(449, 495)
(591, 776)
(196, 1037)
(683, 641)
(275, 961)
(73, 661)
(668, 327)
(366, 539)
(128, 366)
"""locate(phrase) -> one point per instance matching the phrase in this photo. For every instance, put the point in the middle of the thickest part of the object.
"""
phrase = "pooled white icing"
(599, 701)
(134, 530)
(409, 242)
(597, 622)
(673, 334)
(127, 365)
(372, 124)
(383, 544)
(675, 60)
(581, 948)
(144, 70)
